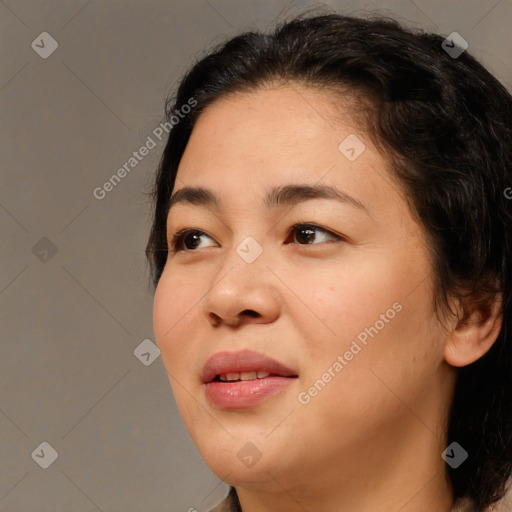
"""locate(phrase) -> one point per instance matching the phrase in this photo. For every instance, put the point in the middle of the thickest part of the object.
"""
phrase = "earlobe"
(475, 333)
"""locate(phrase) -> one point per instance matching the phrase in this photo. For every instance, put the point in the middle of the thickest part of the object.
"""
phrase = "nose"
(244, 293)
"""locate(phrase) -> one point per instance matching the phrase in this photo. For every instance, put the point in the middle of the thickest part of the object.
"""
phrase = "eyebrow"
(277, 196)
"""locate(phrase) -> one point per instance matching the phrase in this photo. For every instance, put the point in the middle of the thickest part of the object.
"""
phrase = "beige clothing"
(231, 504)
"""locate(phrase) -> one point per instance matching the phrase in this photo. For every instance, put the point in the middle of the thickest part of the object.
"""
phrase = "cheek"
(377, 314)
(174, 302)
(173, 307)
(347, 303)
(382, 379)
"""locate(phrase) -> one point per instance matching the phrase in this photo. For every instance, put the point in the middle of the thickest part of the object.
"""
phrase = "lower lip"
(241, 394)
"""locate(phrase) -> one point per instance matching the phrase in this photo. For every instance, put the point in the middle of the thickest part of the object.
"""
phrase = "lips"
(244, 379)
(224, 363)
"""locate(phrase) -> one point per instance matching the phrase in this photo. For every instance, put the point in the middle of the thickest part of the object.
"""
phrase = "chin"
(239, 461)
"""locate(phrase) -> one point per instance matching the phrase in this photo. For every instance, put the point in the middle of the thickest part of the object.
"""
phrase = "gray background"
(72, 320)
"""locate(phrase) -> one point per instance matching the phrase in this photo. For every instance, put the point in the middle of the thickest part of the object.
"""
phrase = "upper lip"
(242, 361)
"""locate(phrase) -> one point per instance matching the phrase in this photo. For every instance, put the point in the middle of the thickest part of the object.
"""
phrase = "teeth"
(248, 375)
(230, 376)
(226, 377)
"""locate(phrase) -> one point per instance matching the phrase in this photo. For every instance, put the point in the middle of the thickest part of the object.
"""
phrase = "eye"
(307, 232)
(189, 237)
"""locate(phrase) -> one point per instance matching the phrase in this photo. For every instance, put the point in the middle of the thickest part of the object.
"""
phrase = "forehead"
(286, 130)
(287, 134)
(294, 116)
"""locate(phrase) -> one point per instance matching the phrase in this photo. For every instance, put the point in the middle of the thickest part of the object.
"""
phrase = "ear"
(474, 332)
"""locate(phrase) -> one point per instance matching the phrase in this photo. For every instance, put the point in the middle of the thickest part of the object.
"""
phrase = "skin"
(372, 439)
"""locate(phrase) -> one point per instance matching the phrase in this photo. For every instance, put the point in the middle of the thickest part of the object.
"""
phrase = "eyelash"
(179, 237)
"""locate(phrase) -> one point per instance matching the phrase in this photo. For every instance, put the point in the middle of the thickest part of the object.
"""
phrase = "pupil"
(187, 237)
(309, 237)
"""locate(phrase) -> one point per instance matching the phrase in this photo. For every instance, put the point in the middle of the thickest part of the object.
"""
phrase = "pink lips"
(240, 394)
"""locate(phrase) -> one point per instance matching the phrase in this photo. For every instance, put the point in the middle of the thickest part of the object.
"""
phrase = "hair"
(443, 124)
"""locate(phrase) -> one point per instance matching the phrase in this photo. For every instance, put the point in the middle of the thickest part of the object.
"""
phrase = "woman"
(331, 246)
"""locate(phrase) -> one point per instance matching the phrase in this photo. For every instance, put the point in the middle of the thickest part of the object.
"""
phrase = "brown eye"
(189, 238)
(306, 233)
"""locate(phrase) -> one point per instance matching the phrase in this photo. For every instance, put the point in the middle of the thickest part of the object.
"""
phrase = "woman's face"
(344, 305)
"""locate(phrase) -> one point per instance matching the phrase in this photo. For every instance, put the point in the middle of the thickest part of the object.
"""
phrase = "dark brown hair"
(444, 124)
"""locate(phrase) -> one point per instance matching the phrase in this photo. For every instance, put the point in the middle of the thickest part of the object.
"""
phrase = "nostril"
(250, 312)
(217, 320)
